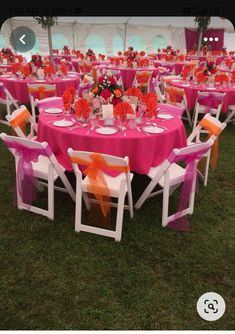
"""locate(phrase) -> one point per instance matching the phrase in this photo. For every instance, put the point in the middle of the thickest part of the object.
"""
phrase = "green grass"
(54, 278)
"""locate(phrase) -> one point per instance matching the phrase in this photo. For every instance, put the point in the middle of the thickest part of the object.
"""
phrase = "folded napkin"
(133, 91)
(82, 108)
(122, 109)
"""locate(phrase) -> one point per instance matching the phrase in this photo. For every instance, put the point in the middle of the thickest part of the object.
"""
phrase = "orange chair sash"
(20, 119)
(97, 184)
(41, 90)
(173, 92)
(213, 130)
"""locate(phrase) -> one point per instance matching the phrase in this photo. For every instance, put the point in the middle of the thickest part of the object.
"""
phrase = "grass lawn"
(54, 278)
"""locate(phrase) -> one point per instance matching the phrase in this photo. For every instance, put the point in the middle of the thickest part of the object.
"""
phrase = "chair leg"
(120, 210)
(207, 168)
(195, 119)
(50, 193)
(165, 204)
(78, 206)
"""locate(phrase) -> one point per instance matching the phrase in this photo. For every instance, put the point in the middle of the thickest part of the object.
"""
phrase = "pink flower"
(105, 94)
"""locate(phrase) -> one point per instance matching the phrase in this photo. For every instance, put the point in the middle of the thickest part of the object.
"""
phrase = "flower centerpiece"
(36, 60)
(66, 50)
(107, 89)
(6, 53)
(90, 55)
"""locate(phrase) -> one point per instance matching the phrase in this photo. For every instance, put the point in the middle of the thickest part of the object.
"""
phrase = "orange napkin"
(122, 109)
(222, 77)
(133, 91)
(201, 77)
(82, 108)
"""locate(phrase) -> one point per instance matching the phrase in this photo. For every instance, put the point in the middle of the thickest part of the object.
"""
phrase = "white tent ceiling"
(161, 21)
(109, 34)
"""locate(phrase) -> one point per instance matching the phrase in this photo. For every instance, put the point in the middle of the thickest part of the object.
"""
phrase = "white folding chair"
(50, 102)
(157, 87)
(8, 100)
(231, 114)
(169, 175)
(215, 127)
(18, 119)
(41, 91)
(142, 80)
(175, 93)
(201, 108)
(85, 88)
(44, 167)
(119, 186)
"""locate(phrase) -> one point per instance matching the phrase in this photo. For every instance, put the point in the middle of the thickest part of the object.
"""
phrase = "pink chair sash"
(211, 100)
(24, 173)
(181, 223)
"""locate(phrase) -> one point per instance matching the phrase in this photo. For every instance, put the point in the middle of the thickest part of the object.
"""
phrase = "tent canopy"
(110, 34)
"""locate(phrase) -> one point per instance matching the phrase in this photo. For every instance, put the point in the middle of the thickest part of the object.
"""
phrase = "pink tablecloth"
(192, 90)
(19, 90)
(128, 74)
(143, 151)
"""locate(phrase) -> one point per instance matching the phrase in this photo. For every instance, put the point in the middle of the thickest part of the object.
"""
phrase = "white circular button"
(211, 39)
(205, 39)
(211, 306)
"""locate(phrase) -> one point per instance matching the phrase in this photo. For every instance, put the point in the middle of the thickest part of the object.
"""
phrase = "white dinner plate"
(185, 85)
(106, 130)
(53, 111)
(63, 123)
(40, 80)
(153, 129)
(165, 116)
(5, 75)
(211, 88)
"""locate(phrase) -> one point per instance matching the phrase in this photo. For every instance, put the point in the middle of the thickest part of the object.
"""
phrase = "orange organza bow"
(63, 68)
(201, 77)
(191, 52)
(96, 181)
(15, 68)
(20, 119)
(49, 70)
(142, 77)
(122, 109)
(25, 70)
(174, 93)
(221, 78)
(133, 91)
(82, 108)
(85, 68)
(40, 90)
(216, 131)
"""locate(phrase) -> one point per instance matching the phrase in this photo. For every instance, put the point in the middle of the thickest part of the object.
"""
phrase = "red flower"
(112, 81)
(106, 93)
(116, 100)
(100, 79)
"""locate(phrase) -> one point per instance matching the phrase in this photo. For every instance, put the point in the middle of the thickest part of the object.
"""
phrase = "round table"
(143, 150)
(128, 74)
(19, 90)
(191, 91)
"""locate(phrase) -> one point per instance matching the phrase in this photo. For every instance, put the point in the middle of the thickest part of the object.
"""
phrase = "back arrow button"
(22, 39)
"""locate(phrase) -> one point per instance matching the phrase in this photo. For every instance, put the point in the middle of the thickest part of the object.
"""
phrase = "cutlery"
(75, 127)
(142, 131)
(91, 129)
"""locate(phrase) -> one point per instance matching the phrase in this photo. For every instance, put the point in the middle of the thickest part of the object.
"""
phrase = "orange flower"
(117, 93)
(95, 90)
